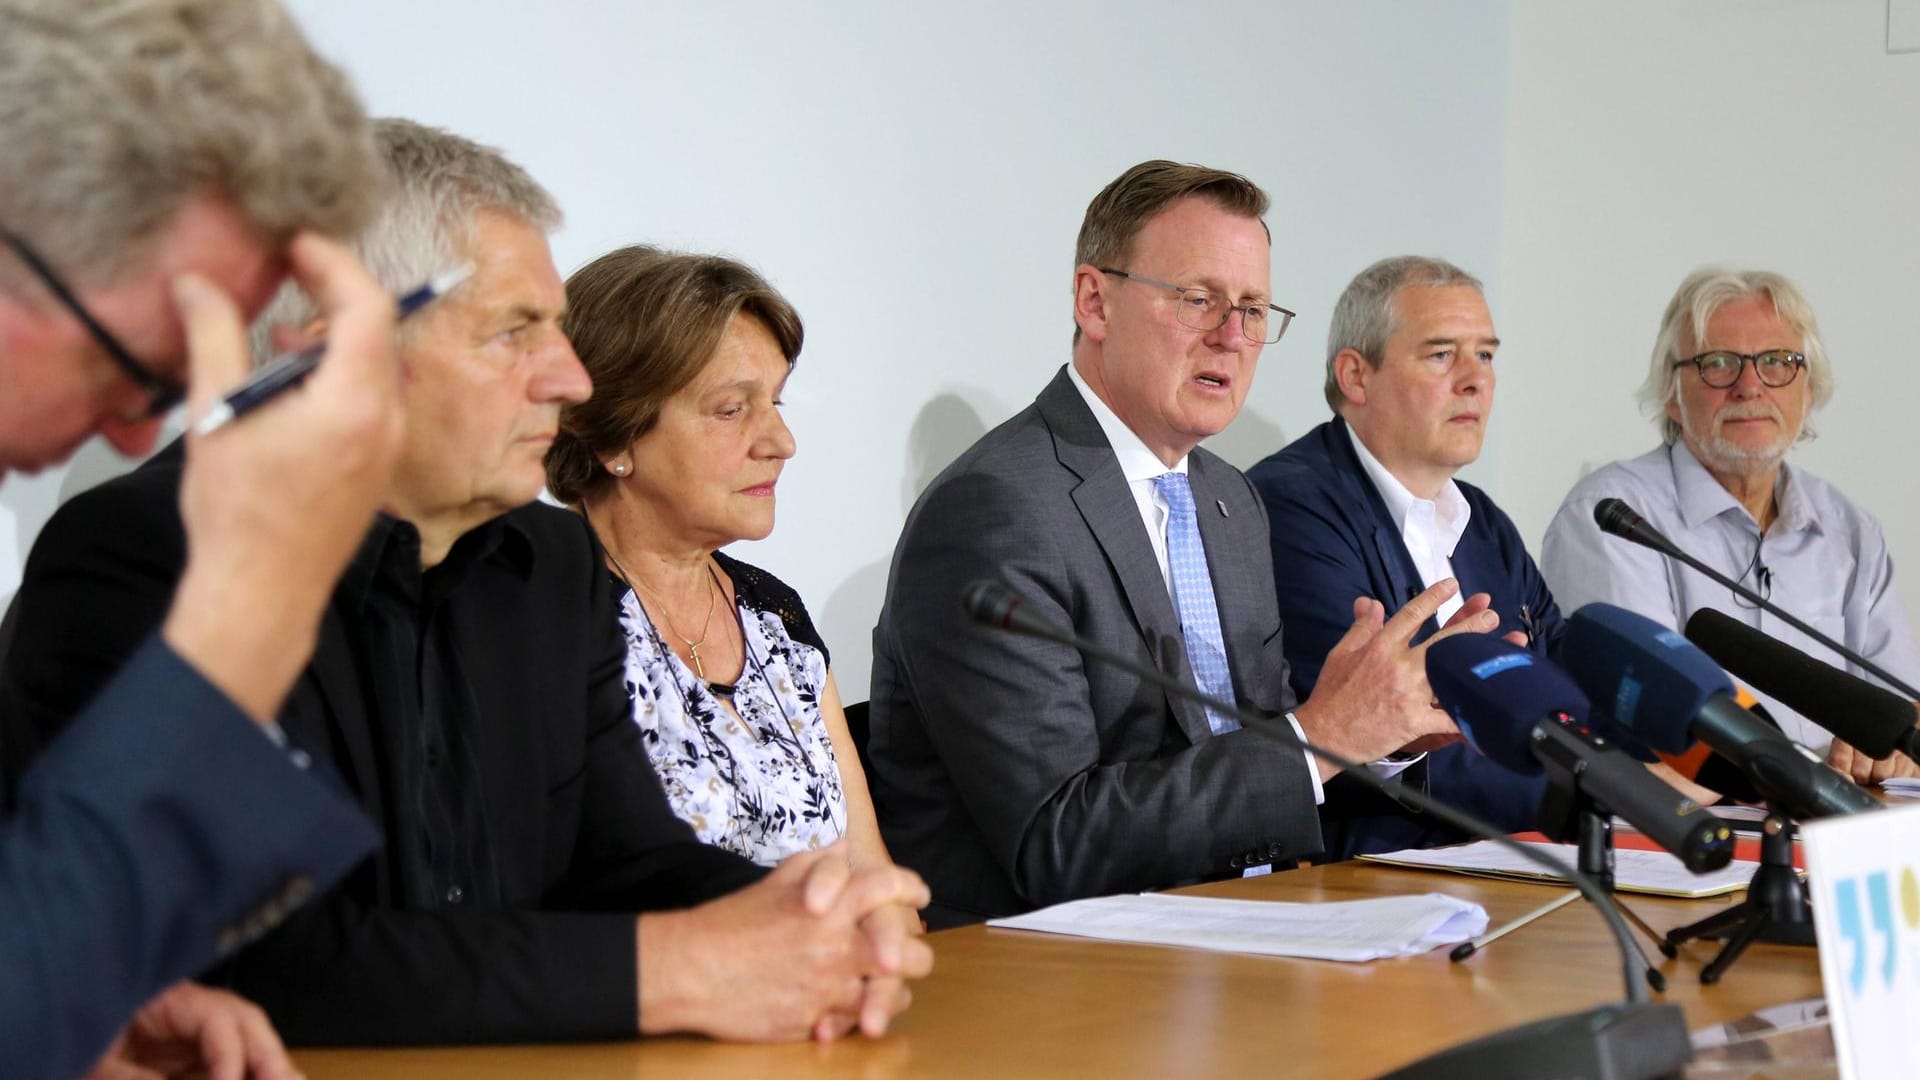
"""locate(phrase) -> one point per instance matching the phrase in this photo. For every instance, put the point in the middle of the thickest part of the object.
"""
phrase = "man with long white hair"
(1736, 370)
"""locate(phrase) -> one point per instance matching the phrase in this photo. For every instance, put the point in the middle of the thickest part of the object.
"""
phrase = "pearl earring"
(618, 468)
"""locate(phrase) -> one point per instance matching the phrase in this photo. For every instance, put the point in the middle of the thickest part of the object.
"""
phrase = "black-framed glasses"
(162, 393)
(1721, 367)
(1206, 311)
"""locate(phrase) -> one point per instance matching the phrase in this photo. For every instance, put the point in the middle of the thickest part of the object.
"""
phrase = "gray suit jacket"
(1011, 773)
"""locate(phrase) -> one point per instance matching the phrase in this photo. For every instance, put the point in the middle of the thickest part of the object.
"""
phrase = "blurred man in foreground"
(166, 165)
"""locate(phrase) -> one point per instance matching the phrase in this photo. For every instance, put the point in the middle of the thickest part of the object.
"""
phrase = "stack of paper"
(1901, 787)
(1654, 872)
(1346, 930)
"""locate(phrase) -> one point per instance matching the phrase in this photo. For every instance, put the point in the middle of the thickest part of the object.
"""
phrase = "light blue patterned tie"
(1193, 597)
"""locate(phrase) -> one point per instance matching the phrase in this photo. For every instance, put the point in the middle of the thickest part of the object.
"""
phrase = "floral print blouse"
(759, 779)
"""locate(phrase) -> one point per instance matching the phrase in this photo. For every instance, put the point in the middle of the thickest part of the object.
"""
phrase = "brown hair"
(1116, 215)
(644, 323)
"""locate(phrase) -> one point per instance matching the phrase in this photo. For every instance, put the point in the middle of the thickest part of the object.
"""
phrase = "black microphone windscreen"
(1871, 718)
(1616, 517)
(990, 602)
(1496, 692)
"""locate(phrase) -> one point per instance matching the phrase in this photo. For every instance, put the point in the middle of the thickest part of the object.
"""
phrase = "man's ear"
(1090, 302)
(1351, 372)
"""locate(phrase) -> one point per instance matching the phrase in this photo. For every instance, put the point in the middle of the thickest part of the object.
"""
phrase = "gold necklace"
(706, 628)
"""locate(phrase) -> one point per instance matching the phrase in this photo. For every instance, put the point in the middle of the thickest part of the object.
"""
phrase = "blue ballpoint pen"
(285, 372)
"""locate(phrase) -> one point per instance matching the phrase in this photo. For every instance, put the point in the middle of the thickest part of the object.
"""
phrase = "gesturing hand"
(1372, 697)
(275, 504)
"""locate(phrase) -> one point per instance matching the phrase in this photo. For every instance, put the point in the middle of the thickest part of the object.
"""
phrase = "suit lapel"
(1107, 505)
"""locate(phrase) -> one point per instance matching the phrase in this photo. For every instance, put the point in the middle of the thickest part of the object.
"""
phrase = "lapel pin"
(1222, 504)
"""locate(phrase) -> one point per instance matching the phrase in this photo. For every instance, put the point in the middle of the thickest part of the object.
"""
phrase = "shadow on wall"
(945, 428)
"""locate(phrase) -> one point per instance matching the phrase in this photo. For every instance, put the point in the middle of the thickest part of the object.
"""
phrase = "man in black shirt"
(468, 687)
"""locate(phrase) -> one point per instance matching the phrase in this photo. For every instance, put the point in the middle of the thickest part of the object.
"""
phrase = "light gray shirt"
(1825, 560)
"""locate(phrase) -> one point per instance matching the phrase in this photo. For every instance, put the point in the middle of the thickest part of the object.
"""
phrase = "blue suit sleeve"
(161, 830)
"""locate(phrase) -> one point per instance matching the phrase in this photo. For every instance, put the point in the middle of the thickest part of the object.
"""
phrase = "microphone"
(1528, 715)
(1636, 1039)
(1669, 693)
(1616, 517)
(1876, 720)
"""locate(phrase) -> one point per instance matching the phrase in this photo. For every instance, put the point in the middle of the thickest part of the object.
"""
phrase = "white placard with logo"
(1864, 875)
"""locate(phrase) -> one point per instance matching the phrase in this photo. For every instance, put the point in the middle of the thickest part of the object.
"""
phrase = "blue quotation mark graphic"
(1876, 915)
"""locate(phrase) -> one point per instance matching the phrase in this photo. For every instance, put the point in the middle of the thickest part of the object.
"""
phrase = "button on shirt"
(1826, 561)
(1140, 465)
(442, 855)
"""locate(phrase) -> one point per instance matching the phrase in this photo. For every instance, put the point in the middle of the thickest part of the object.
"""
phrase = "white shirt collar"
(1448, 513)
(1136, 461)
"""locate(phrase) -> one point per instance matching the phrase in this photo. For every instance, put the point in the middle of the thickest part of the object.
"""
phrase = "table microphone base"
(1609, 1042)
(1775, 910)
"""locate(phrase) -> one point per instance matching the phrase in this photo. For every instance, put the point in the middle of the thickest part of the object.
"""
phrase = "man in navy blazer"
(1366, 505)
(147, 208)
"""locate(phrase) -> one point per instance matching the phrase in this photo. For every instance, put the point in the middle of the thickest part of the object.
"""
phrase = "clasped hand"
(813, 950)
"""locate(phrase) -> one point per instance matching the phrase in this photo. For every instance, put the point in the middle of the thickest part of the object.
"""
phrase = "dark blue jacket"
(160, 832)
(1333, 540)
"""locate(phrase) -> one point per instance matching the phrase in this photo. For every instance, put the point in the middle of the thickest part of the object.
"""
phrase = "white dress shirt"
(1431, 528)
(1140, 465)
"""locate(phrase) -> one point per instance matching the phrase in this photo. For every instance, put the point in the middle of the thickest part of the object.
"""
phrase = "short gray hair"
(437, 185)
(115, 113)
(1364, 317)
(1684, 326)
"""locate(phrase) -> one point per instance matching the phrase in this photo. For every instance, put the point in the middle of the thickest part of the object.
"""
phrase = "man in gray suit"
(1008, 771)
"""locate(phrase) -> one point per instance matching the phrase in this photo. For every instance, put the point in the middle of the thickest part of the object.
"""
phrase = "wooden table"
(1009, 1003)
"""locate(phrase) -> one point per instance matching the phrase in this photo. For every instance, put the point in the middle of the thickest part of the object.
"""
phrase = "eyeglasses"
(1721, 369)
(162, 393)
(1206, 311)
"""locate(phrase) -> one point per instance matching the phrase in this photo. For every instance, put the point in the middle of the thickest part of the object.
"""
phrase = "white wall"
(912, 176)
(1650, 137)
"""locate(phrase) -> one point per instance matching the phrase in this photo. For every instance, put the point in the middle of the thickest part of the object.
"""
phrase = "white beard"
(1720, 454)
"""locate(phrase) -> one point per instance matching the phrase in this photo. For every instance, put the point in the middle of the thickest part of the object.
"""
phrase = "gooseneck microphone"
(1639, 1039)
(1668, 693)
(1528, 715)
(1871, 718)
(1616, 517)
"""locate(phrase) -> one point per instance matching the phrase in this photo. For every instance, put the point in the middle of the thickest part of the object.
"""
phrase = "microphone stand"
(1776, 908)
(1616, 517)
(1635, 1040)
(1595, 833)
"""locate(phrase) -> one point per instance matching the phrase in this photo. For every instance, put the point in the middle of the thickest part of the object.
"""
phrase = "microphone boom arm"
(1616, 517)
